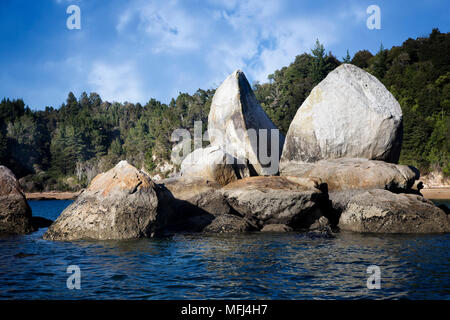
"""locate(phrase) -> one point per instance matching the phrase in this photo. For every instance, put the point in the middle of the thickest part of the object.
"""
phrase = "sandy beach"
(436, 193)
(52, 195)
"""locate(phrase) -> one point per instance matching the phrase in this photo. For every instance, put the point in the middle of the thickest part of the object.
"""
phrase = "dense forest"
(62, 149)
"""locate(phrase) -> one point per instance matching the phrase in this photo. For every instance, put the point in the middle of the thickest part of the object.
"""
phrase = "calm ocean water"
(248, 266)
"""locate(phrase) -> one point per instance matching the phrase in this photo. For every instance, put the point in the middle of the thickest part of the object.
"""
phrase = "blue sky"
(136, 50)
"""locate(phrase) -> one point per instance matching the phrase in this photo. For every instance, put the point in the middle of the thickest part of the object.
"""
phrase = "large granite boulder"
(15, 213)
(201, 207)
(121, 203)
(291, 201)
(214, 164)
(350, 114)
(238, 124)
(381, 211)
(350, 173)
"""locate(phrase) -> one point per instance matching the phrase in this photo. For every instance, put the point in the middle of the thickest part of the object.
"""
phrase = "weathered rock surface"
(214, 164)
(381, 211)
(235, 120)
(201, 207)
(292, 201)
(350, 173)
(121, 203)
(15, 213)
(350, 114)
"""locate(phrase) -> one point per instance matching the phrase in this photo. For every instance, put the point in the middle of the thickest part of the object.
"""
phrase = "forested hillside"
(60, 149)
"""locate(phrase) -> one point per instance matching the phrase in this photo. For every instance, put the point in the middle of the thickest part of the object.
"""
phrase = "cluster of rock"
(337, 171)
(348, 134)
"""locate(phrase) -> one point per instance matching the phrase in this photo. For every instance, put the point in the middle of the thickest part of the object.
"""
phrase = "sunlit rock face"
(292, 201)
(350, 114)
(238, 124)
(381, 211)
(214, 164)
(121, 203)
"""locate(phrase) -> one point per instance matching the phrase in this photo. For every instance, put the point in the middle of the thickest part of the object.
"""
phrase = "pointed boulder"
(350, 114)
(235, 122)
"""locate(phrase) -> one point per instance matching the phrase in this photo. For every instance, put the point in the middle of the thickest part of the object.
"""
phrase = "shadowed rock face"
(347, 174)
(234, 123)
(199, 206)
(15, 213)
(350, 114)
(119, 204)
(213, 164)
(292, 201)
(381, 211)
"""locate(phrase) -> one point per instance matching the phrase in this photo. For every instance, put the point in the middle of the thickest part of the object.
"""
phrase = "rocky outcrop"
(201, 207)
(213, 164)
(350, 114)
(381, 211)
(291, 201)
(15, 213)
(348, 174)
(121, 203)
(235, 121)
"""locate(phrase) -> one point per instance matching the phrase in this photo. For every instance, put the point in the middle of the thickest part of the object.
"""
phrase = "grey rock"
(121, 203)
(15, 213)
(213, 164)
(355, 173)
(277, 200)
(350, 114)
(381, 211)
(234, 120)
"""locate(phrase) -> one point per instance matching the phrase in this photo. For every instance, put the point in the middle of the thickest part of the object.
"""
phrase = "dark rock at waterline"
(444, 208)
(40, 222)
(15, 213)
(199, 206)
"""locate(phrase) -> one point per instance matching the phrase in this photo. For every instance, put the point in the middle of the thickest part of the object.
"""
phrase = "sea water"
(239, 266)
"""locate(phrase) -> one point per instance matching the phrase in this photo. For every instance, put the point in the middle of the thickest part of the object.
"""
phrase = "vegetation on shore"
(55, 149)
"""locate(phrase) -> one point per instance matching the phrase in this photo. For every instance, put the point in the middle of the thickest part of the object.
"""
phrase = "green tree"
(347, 58)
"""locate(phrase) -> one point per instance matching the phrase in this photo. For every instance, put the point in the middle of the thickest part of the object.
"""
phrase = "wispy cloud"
(116, 82)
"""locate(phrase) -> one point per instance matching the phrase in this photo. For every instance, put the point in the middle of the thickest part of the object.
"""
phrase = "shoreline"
(437, 193)
(52, 195)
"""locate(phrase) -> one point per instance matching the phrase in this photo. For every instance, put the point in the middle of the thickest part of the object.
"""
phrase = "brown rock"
(354, 173)
(121, 203)
(15, 213)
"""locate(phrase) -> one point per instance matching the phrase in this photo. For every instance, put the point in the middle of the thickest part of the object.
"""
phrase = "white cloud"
(116, 82)
(166, 24)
